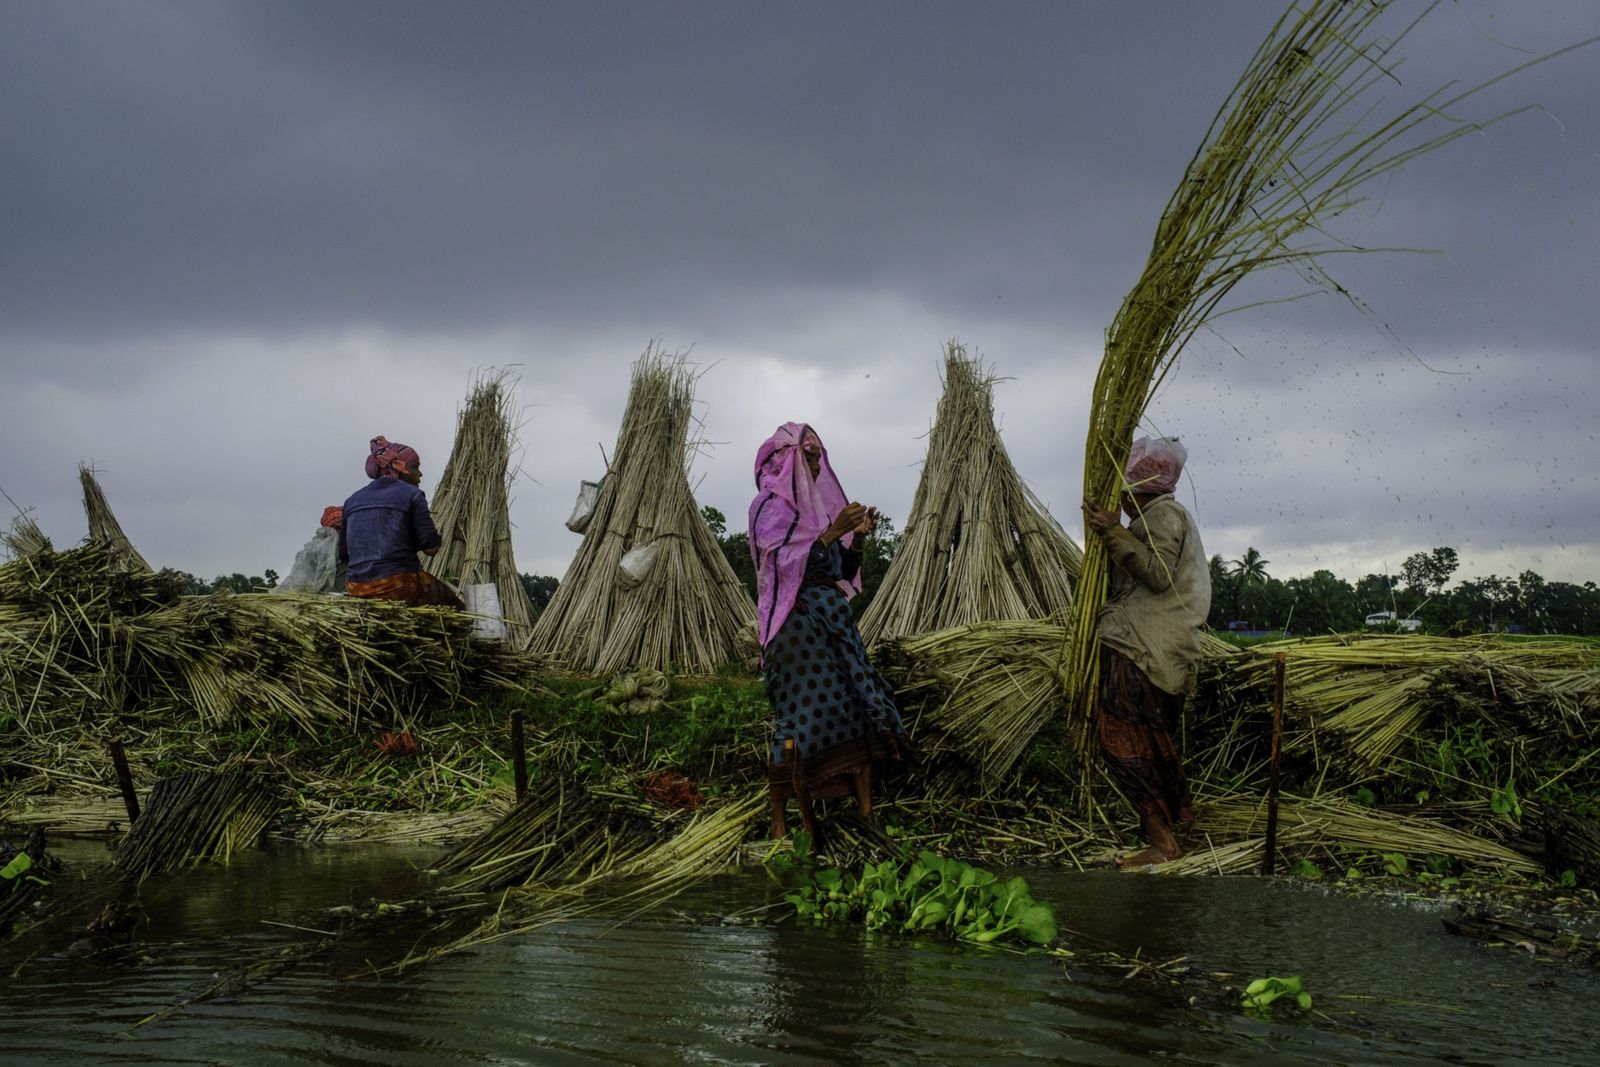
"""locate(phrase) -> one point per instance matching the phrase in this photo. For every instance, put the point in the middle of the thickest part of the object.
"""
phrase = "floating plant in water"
(930, 892)
(1260, 995)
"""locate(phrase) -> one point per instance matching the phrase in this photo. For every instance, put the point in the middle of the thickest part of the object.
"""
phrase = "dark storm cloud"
(302, 223)
(284, 165)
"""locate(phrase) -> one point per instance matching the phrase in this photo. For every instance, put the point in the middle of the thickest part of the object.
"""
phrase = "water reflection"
(676, 989)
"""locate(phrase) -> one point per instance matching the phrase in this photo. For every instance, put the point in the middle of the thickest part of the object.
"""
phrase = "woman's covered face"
(811, 448)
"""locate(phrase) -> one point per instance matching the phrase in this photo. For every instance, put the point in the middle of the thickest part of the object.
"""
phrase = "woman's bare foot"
(1148, 857)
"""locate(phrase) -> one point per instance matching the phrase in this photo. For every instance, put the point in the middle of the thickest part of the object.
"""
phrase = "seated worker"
(385, 524)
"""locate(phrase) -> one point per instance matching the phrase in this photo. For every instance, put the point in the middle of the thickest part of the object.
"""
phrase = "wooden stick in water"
(119, 760)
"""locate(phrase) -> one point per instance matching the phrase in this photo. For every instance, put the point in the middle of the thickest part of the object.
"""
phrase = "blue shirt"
(386, 523)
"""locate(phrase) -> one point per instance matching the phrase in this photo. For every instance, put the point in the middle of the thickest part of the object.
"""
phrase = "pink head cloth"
(390, 460)
(790, 511)
(1154, 464)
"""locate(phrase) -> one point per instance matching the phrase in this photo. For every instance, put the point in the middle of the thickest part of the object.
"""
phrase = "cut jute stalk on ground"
(83, 638)
(633, 876)
(649, 586)
(472, 509)
(1307, 824)
(1358, 700)
(987, 689)
(1301, 133)
(978, 545)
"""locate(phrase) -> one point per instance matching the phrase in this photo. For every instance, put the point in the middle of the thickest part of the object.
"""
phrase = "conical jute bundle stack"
(978, 545)
(472, 509)
(103, 526)
(649, 586)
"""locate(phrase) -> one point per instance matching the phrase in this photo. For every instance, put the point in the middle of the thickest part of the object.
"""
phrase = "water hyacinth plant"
(931, 892)
(1260, 995)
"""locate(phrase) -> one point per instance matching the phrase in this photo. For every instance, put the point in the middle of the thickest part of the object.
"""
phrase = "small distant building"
(1391, 620)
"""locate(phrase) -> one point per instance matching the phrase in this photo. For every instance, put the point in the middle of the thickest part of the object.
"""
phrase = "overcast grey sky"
(241, 239)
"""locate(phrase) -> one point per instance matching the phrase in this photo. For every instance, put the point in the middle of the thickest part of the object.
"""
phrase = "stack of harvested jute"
(649, 586)
(978, 545)
(472, 509)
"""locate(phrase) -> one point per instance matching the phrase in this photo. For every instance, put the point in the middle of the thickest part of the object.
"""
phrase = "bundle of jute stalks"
(649, 586)
(1305, 128)
(103, 525)
(978, 545)
(472, 508)
(987, 688)
(194, 817)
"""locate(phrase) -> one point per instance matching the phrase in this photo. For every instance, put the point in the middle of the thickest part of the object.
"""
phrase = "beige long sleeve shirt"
(1160, 594)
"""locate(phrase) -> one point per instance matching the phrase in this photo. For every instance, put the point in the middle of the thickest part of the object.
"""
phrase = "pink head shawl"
(390, 460)
(790, 511)
(1154, 464)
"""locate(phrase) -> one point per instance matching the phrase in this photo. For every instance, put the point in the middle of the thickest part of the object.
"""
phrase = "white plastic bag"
(316, 566)
(636, 564)
(483, 600)
(583, 507)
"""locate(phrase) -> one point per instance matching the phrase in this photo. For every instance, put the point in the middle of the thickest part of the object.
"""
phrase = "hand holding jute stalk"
(1301, 132)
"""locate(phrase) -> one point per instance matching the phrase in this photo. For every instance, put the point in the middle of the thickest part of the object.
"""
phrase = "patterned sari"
(826, 696)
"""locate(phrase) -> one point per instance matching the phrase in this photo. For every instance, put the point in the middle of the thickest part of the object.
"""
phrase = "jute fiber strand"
(103, 525)
(689, 610)
(1330, 821)
(978, 545)
(472, 507)
(1303, 130)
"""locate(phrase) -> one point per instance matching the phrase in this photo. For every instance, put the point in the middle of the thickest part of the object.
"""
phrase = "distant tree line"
(225, 583)
(1243, 592)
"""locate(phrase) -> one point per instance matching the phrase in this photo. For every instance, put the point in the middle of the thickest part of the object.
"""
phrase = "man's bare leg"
(1163, 847)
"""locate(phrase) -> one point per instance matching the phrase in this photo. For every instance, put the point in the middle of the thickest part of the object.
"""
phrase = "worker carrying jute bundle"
(385, 525)
(1150, 640)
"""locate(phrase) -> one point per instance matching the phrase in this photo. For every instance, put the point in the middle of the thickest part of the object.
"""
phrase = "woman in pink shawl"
(836, 717)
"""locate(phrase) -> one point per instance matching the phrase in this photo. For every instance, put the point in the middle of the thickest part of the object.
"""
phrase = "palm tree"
(1248, 569)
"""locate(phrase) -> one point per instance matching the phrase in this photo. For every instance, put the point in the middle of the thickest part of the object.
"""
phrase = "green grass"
(712, 728)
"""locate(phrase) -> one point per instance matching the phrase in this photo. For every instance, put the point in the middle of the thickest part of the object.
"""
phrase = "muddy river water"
(686, 986)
